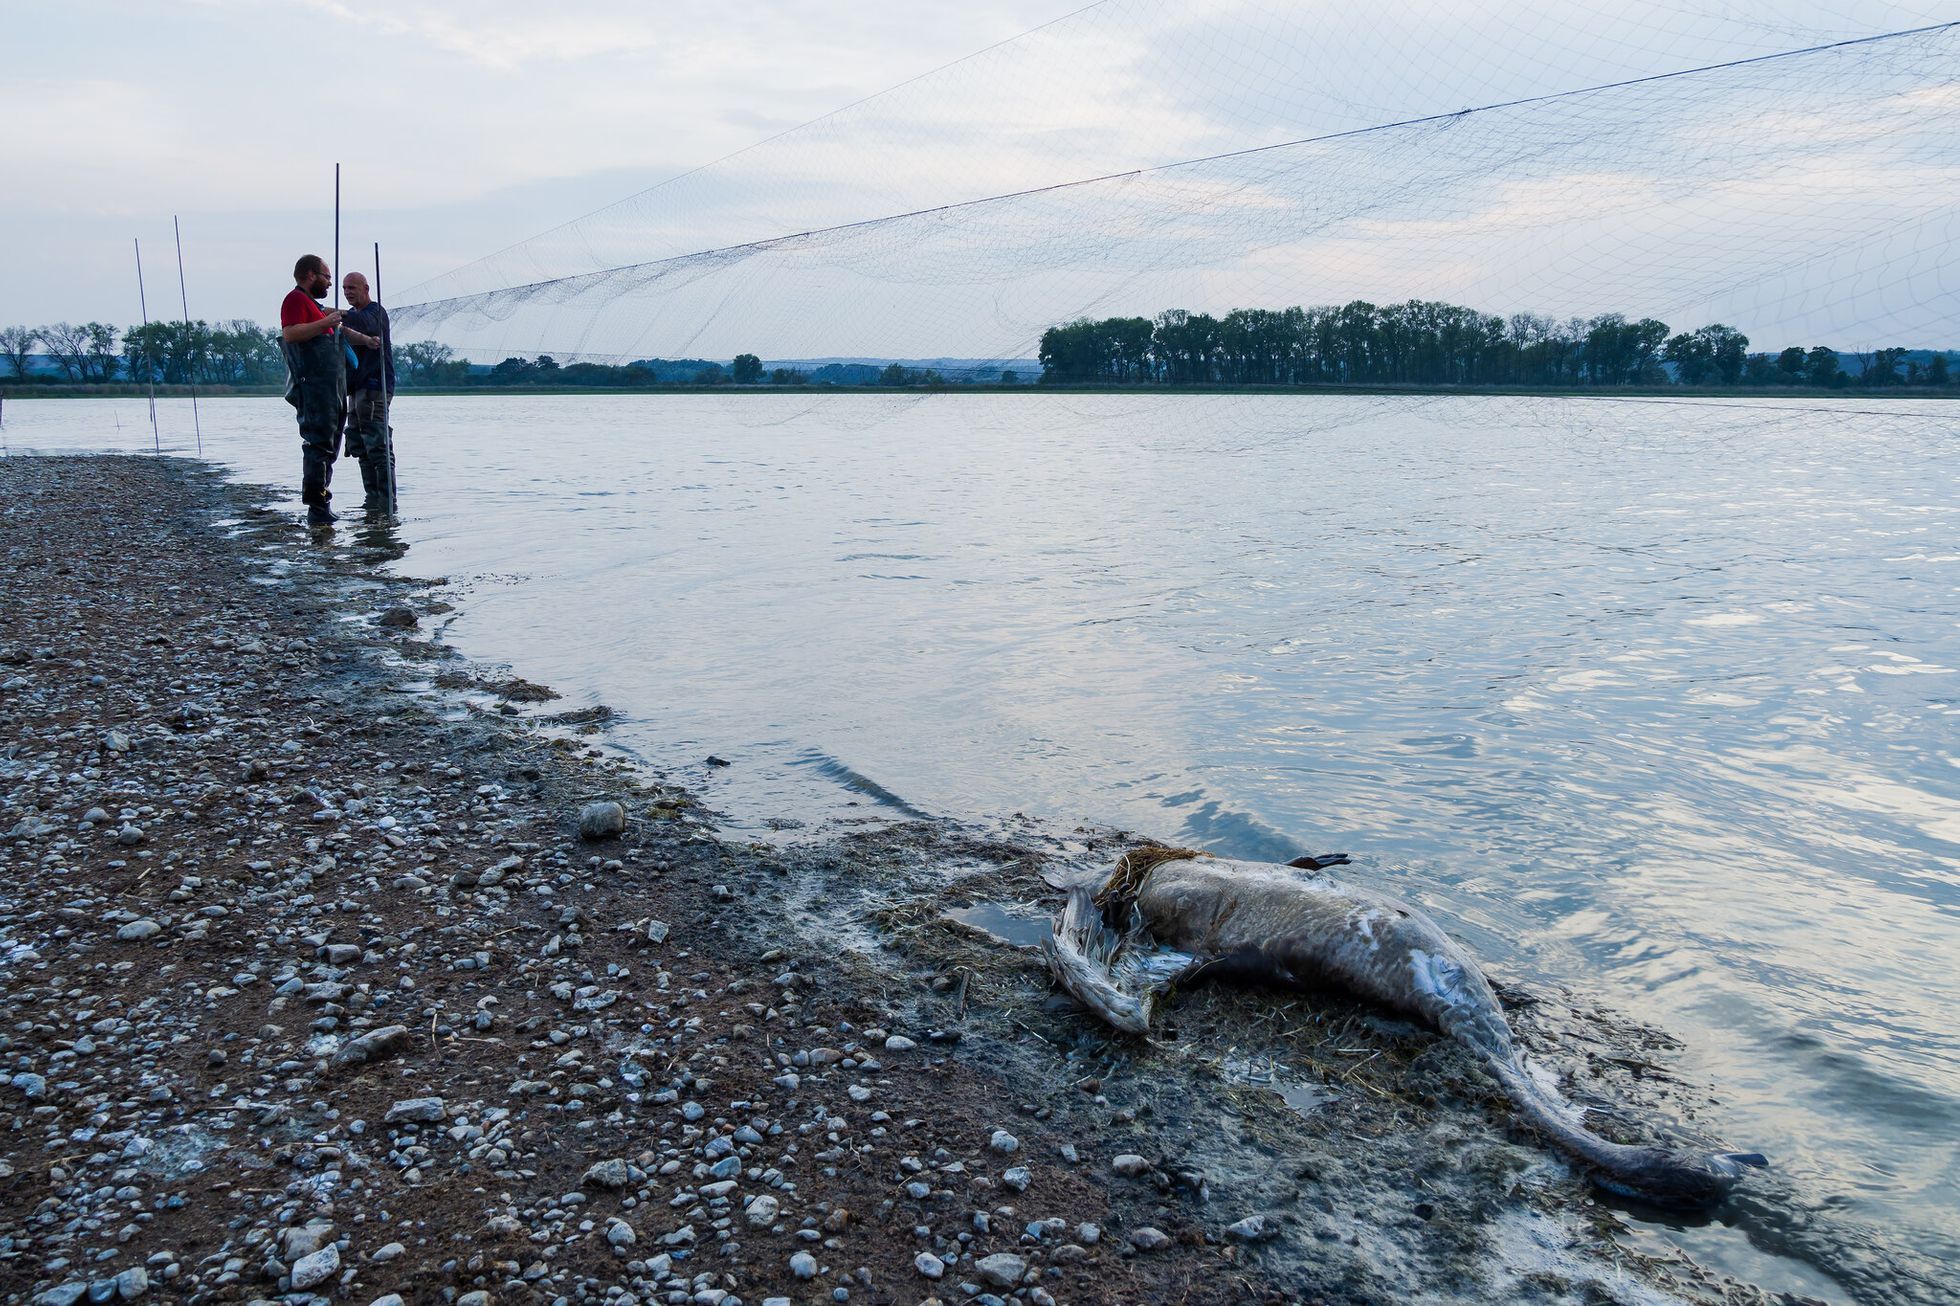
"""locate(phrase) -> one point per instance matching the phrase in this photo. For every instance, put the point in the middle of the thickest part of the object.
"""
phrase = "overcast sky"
(467, 125)
(461, 125)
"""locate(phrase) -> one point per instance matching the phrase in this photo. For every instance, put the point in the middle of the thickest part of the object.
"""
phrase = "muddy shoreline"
(316, 993)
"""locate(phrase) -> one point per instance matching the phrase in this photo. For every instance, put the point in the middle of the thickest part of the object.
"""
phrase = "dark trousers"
(319, 446)
(371, 440)
(318, 392)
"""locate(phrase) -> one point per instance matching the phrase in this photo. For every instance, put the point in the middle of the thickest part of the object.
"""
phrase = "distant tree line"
(242, 353)
(745, 369)
(238, 352)
(1416, 343)
(1425, 343)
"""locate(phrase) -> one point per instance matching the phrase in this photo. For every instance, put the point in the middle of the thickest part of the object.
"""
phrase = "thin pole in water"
(143, 299)
(190, 360)
(387, 397)
(336, 237)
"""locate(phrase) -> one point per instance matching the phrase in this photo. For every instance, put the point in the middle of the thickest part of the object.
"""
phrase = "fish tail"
(1666, 1176)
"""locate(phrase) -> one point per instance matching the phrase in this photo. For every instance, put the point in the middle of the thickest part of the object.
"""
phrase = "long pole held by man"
(388, 348)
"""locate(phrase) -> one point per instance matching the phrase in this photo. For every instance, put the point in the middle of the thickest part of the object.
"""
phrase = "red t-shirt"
(300, 309)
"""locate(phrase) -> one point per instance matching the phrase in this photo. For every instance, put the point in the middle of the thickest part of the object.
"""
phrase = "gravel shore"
(331, 975)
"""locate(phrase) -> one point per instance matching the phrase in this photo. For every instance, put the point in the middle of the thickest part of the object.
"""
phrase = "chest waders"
(319, 392)
(371, 440)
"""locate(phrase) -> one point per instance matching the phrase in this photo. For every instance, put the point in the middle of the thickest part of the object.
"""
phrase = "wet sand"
(315, 992)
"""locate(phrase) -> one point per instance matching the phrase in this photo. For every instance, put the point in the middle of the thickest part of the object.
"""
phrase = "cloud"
(507, 36)
(90, 144)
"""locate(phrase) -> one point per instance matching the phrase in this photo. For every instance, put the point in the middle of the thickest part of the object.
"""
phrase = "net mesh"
(1799, 180)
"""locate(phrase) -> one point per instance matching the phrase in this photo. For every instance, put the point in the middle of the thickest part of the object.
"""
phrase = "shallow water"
(1656, 699)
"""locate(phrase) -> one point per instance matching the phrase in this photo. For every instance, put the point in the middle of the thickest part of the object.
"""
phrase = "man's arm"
(299, 331)
(359, 326)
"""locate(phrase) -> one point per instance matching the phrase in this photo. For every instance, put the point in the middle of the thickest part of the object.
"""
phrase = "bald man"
(370, 392)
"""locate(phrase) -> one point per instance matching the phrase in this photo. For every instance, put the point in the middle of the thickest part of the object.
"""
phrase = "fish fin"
(1105, 969)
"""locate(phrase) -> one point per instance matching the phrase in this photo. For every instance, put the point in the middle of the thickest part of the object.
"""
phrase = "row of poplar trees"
(1426, 343)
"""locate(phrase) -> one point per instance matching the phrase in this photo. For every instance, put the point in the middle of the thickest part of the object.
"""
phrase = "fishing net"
(1795, 175)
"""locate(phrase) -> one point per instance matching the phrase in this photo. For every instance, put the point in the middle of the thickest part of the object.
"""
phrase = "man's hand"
(332, 319)
(365, 342)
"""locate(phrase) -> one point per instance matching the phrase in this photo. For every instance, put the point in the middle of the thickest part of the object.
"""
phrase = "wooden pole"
(387, 399)
(189, 337)
(143, 300)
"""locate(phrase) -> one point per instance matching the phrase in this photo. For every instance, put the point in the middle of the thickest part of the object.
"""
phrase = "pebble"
(613, 1173)
(1003, 1142)
(1001, 1269)
(1252, 1229)
(415, 1110)
(803, 1265)
(601, 820)
(136, 930)
(1018, 1178)
(375, 1043)
(929, 1265)
(317, 1268)
(761, 1212)
(1129, 1165)
(1148, 1239)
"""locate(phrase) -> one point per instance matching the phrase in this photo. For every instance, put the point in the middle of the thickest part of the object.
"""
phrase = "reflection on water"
(1019, 925)
(1659, 699)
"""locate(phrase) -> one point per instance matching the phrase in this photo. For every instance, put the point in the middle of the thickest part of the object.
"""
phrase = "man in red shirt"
(317, 384)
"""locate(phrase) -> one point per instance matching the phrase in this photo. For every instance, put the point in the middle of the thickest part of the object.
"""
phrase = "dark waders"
(371, 440)
(319, 391)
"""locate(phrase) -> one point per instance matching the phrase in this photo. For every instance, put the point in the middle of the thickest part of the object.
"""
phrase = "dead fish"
(1166, 915)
